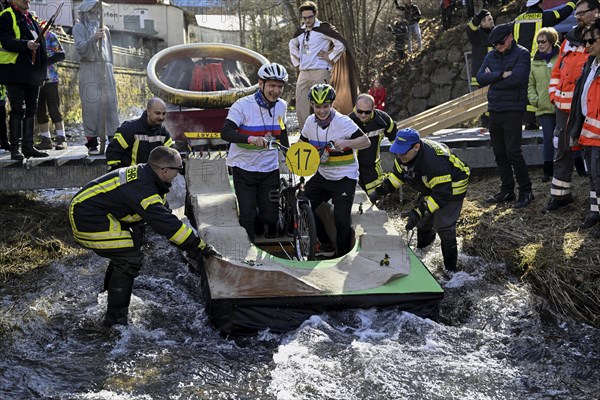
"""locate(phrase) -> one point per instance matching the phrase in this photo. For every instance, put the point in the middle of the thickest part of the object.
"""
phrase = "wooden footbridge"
(74, 168)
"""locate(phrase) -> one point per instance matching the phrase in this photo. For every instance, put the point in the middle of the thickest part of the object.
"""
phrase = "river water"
(494, 340)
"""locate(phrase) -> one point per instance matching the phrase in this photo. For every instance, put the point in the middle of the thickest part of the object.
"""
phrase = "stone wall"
(132, 91)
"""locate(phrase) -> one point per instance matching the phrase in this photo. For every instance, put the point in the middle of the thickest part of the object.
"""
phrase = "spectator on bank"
(478, 32)
(49, 99)
(412, 15)
(22, 77)
(583, 126)
(506, 70)
(97, 87)
(447, 7)
(321, 54)
(571, 59)
(400, 30)
(525, 28)
(379, 94)
(537, 92)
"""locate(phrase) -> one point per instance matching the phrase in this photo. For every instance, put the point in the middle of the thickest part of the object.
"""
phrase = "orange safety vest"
(567, 69)
(590, 132)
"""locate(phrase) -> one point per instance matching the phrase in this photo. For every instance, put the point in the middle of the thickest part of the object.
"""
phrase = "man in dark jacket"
(506, 70)
(23, 63)
(376, 124)
(478, 32)
(103, 213)
(135, 139)
(441, 178)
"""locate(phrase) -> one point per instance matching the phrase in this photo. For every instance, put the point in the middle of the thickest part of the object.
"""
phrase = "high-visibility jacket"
(15, 57)
(533, 19)
(568, 67)
(102, 211)
(586, 128)
(133, 142)
(436, 172)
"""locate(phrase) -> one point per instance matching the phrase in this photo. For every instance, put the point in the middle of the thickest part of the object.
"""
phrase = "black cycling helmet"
(273, 72)
(321, 93)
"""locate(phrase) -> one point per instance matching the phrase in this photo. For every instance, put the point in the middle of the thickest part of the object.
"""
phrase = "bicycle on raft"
(296, 217)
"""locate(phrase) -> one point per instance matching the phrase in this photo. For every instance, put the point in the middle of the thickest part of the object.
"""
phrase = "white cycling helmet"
(273, 72)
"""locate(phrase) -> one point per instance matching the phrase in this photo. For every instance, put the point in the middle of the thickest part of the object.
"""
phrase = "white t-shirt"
(304, 49)
(253, 120)
(340, 164)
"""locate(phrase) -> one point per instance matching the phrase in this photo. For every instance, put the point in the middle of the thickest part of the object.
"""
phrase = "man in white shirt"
(314, 49)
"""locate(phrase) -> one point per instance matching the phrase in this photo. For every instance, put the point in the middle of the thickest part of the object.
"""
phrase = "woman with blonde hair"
(537, 92)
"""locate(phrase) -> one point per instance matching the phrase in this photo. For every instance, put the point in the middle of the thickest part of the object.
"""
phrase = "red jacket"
(568, 67)
(379, 96)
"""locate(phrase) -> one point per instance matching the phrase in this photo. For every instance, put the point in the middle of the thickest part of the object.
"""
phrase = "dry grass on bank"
(32, 234)
(560, 261)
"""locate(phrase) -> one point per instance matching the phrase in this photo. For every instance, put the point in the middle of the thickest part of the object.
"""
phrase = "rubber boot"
(28, 149)
(424, 238)
(119, 296)
(15, 127)
(548, 171)
(450, 254)
(580, 166)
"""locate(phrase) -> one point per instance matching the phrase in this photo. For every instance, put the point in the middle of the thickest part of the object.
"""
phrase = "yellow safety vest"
(8, 57)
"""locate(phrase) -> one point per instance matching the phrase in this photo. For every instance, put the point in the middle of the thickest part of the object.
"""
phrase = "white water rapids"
(494, 340)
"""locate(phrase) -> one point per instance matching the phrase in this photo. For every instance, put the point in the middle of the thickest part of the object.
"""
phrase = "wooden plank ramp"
(445, 115)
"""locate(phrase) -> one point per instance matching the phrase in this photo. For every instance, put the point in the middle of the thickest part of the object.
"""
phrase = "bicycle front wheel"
(305, 235)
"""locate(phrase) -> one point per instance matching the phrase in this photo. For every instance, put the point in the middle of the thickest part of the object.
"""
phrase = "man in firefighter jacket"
(583, 126)
(104, 213)
(376, 124)
(441, 178)
(568, 67)
(23, 68)
(134, 140)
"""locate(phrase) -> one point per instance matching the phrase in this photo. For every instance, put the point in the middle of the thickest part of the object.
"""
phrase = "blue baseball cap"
(405, 139)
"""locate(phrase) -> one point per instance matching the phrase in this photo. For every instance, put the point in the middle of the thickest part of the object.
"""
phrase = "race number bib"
(302, 159)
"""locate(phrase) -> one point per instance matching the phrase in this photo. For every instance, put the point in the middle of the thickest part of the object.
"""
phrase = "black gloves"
(413, 218)
(199, 250)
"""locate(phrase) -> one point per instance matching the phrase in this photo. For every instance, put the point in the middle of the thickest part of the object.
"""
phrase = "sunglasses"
(542, 41)
(501, 43)
(363, 111)
(590, 41)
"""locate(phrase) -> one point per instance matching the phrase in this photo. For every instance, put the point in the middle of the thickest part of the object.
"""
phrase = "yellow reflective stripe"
(114, 162)
(458, 163)
(134, 152)
(168, 143)
(97, 189)
(472, 26)
(460, 187)
(181, 235)
(112, 244)
(148, 201)
(432, 205)
(534, 46)
(131, 218)
(119, 138)
(431, 183)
